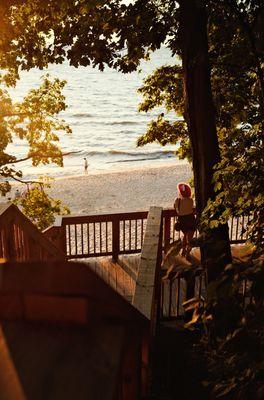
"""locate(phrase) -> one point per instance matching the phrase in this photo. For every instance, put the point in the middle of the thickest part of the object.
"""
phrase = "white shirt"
(184, 205)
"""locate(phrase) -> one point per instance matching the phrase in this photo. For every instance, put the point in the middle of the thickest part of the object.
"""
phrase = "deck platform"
(120, 275)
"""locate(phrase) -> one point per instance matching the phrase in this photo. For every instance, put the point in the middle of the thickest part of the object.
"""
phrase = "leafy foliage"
(39, 207)
(237, 68)
(233, 341)
(84, 32)
(100, 33)
(164, 88)
(239, 181)
(35, 121)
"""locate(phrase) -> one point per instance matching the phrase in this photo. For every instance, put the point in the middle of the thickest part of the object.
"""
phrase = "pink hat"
(184, 189)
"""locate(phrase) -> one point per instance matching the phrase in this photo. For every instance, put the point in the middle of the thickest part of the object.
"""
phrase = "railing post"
(115, 239)
(190, 292)
(60, 238)
(167, 226)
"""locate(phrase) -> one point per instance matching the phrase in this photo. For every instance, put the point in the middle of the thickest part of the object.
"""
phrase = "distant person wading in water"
(186, 223)
(85, 166)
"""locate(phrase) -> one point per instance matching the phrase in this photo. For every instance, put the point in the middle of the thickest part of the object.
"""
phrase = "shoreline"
(130, 169)
(54, 176)
(120, 191)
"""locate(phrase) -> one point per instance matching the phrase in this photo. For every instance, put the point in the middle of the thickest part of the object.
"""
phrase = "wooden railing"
(99, 235)
(120, 233)
(174, 293)
(20, 240)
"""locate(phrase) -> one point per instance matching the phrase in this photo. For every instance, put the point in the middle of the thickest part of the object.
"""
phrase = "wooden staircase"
(67, 333)
(20, 240)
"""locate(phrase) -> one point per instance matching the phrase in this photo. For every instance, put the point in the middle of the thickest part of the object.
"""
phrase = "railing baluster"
(136, 227)
(69, 235)
(124, 235)
(237, 226)
(174, 232)
(162, 299)
(100, 236)
(106, 236)
(129, 234)
(142, 233)
(88, 238)
(82, 238)
(167, 225)
(170, 297)
(242, 231)
(231, 229)
(94, 238)
(75, 238)
(178, 297)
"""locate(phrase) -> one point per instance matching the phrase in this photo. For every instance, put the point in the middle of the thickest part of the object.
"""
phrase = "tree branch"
(3, 115)
(46, 156)
(25, 182)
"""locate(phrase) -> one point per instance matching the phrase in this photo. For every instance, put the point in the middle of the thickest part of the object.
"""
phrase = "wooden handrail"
(173, 294)
(105, 234)
(20, 239)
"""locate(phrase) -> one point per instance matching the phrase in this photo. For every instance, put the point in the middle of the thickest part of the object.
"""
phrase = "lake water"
(103, 114)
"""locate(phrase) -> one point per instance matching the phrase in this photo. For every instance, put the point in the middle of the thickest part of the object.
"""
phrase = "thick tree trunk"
(200, 116)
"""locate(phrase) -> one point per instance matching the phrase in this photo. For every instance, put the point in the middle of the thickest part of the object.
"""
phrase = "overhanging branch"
(46, 156)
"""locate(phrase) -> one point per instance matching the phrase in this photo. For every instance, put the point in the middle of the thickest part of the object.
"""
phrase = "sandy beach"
(127, 190)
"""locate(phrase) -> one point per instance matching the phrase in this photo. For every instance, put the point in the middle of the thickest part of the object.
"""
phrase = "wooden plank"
(103, 217)
(144, 292)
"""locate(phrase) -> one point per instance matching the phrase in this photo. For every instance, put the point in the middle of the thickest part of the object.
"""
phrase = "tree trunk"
(200, 116)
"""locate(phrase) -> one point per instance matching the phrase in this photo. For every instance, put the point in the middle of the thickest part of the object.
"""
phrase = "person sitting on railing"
(185, 211)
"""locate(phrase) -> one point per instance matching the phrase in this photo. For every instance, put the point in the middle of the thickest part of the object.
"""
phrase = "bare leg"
(189, 237)
(184, 244)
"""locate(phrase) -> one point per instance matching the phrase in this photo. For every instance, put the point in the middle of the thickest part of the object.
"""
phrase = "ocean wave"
(81, 115)
(130, 160)
(122, 123)
(154, 153)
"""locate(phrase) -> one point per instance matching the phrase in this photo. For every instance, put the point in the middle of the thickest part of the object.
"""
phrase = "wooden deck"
(120, 275)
